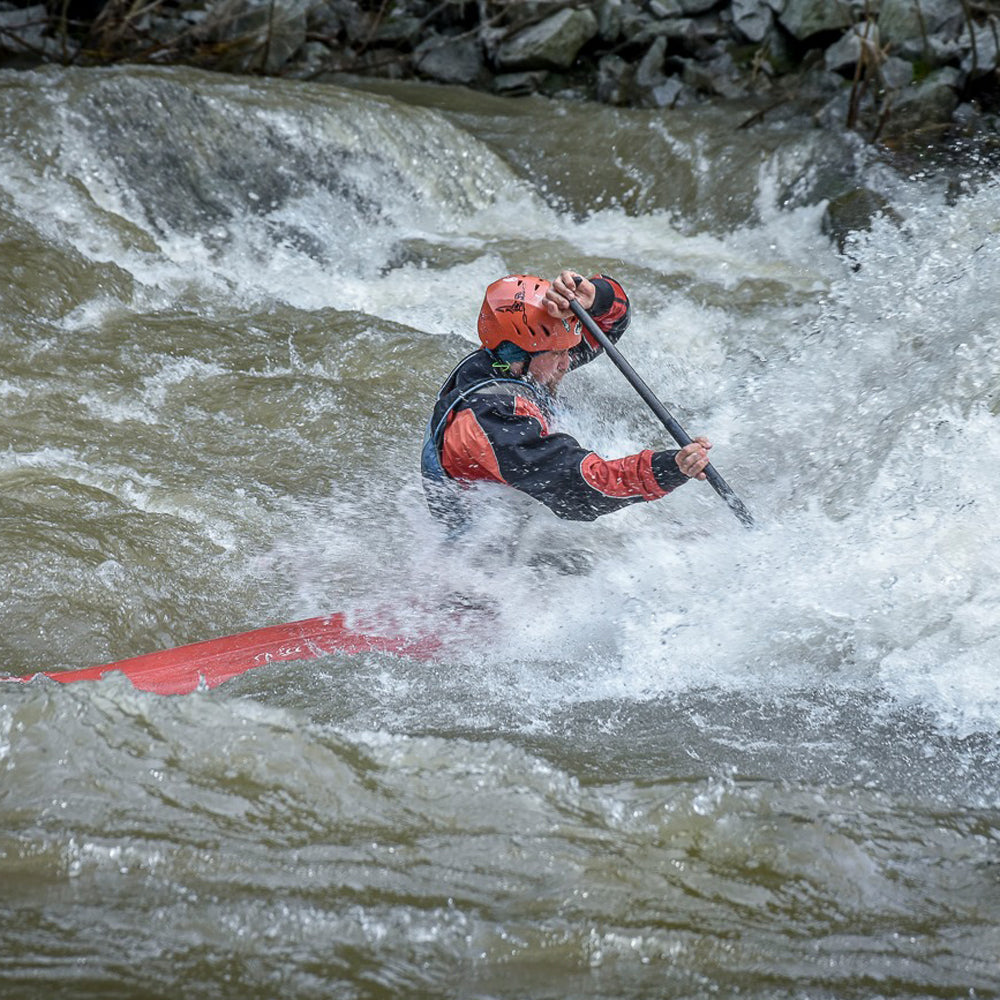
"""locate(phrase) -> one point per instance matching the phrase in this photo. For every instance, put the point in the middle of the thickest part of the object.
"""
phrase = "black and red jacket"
(490, 426)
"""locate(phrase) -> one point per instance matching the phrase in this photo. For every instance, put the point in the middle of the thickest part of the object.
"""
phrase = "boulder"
(716, 77)
(550, 44)
(21, 29)
(804, 18)
(256, 35)
(981, 49)
(614, 80)
(327, 17)
(649, 73)
(449, 60)
(666, 8)
(676, 29)
(311, 60)
(609, 20)
(906, 21)
(852, 212)
(896, 73)
(668, 94)
(696, 6)
(399, 29)
(752, 18)
(519, 84)
(927, 104)
(846, 52)
(632, 20)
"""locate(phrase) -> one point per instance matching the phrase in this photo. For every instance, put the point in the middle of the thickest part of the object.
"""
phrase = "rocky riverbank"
(897, 71)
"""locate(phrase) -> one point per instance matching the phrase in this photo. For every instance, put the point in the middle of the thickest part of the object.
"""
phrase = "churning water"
(714, 761)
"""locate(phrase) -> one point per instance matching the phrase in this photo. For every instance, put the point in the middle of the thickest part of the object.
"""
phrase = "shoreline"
(898, 73)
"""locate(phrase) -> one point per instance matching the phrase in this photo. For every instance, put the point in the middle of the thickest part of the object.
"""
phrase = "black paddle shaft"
(681, 436)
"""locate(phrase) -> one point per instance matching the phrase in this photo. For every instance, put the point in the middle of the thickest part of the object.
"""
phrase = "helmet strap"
(507, 354)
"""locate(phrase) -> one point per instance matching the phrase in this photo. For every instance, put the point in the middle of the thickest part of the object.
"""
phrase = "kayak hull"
(210, 663)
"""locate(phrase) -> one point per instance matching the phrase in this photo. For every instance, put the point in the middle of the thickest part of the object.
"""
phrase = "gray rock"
(805, 18)
(450, 60)
(845, 53)
(666, 8)
(677, 29)
(981, 48)
(614, 80)
(896, 73)
(668, 94)
(550, 44)
(21, 29)
(649, 73)
(327, 18)
(696, 6)
(324, 19)
(632, 20)
(935, 50)
(399, 29)
(932, 102)
(833, 114)
(519, 84)
(752, 18)
(313, 58)
(716, 77)
(779, 52)
(853, 212)
(256, 34)
(609, 19)
(917, 20)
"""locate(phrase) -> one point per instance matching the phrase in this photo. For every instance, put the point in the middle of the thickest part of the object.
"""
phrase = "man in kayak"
(492, 421)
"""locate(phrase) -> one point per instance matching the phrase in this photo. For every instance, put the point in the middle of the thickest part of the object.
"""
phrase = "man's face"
(548, 368)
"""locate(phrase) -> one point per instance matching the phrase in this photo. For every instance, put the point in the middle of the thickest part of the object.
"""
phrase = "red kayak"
(210, 663)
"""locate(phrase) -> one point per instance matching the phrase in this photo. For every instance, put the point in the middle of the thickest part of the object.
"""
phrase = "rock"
(852, 212)
(716, 77)
(696, 6)
(551, 44)
(609, 19)
(928, 35)
(896, 73)
(778, 50)
(846, 52)
(649, 73)
(677, 29)
(805, 18)
(752, 19)
(665, 8)
(932, 102)
(632, 19)
(450, 60)
(982, 49)
(668, 94)
(519, 84)
(21, 29)
(357, 23)
(255, 35)
(614, 80)
(906, 20)
(325, 20)
(399, 29)
(937, 50)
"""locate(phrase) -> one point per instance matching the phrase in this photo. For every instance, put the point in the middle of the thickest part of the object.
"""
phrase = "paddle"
(677, 432)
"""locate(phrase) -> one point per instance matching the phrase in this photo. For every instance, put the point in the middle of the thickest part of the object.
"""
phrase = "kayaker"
(493, 418)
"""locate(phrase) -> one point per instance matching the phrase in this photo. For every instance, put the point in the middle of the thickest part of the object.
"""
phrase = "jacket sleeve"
(612, 313)
(573, 482)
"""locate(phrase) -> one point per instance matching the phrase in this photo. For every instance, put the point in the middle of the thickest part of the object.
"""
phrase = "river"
(706, 762)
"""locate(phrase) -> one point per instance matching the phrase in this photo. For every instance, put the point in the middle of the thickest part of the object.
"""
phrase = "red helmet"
(513, 310)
